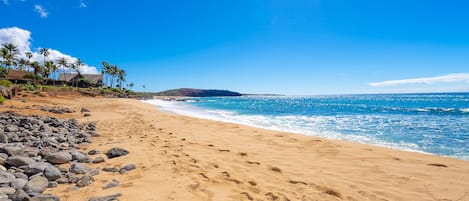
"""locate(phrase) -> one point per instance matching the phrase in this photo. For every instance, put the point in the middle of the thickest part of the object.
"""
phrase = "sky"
(296, 47)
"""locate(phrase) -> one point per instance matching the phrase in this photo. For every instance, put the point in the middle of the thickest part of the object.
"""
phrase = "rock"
(36, 167)
(106, 198)
(111, 184)
(37, 184)
(7, 190)
(85, 181)
(13, 151)
(19, 183)
(17, 161)
(52, 173)
(79, 156)
(6, 177)
(52, 184)
(3, 138)
(19, 195)
(6, 92)
(86, 114)
(116, 152)
(21, 175)
(42, 197)
(98, 160)
(126, 168)
(62, 180)
(110, 169)
(11, 128)
(93, 152)
(84, 110)
(93, 172)
(59, 157)
(79, 168)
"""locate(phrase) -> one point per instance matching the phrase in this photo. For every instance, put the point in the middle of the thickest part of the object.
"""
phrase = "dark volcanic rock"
(106, 198)
(37, 184)
(59, 157)
(116, 152)
(52, 173)
(42, 197)
(17, 161)
(127, 168)
(93, 152)
(79, 168)
(98, 160)
(111, 184)
(85, 181)
(110, 169)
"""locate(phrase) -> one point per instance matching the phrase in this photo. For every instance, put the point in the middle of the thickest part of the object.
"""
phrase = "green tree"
(64, 64)
(37, 69)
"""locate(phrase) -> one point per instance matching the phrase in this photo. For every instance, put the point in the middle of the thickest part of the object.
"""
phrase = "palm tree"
(105, 70)
(63, 62)
(45, 52)
(76, 66)
(131, 85)
(9, 52)
(120, 76)
(113, 73)
(37, 69)
(49, 68)
(22, 63)
(29, 55)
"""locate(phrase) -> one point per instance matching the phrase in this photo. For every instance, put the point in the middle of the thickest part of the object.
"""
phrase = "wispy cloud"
(41, 10)
(5, 2)
(449, 78)
(82, 4)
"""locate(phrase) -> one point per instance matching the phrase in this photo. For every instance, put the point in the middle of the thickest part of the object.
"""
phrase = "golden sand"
(185, 158)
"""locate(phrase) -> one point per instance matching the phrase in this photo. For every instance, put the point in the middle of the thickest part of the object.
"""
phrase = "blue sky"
(260, 46)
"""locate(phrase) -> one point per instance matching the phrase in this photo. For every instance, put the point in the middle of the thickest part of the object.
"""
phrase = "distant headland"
(188, 92)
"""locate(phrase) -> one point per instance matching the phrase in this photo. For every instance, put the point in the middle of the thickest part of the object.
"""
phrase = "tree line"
(12, 59)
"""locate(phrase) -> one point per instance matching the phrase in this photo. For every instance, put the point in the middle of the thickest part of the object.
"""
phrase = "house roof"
(94, 78)
(66, 76)
(17, 75)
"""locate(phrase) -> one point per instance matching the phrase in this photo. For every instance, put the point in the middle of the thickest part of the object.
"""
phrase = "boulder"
(17, 161)
(37, 184)
(19, 183)
(19, 195)
(52, 173)
(6, 177)
(85, 181)
(116, 152)
(59, 157)
(41, 197)
(111, 184)
(79, 156)
(106, 198)
(79, 168)
(98, 160)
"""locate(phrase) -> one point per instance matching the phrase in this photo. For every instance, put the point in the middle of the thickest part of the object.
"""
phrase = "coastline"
(186, 158)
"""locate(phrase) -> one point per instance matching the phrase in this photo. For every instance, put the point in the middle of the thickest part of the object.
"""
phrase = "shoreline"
(187, 158)
(336, 136)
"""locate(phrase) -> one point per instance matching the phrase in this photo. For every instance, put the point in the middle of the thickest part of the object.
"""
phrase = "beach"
(186, 158)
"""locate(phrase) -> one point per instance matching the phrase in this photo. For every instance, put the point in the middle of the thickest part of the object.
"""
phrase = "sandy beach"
(185, 158)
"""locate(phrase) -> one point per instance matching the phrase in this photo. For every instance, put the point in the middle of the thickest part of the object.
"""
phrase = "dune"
(185, 158)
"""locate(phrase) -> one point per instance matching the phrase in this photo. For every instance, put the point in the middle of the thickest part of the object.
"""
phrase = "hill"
(187, 92)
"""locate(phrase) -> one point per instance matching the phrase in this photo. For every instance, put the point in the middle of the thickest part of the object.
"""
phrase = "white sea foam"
(306, 125)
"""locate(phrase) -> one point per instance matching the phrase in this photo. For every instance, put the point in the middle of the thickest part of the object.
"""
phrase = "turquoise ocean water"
(430, 123)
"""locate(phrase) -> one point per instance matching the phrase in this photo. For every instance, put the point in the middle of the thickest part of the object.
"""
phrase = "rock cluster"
(32, 148)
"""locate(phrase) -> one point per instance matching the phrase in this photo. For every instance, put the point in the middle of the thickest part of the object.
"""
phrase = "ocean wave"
(367, 129)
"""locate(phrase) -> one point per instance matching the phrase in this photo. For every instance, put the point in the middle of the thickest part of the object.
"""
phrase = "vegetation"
(5, 83)
(2, 99)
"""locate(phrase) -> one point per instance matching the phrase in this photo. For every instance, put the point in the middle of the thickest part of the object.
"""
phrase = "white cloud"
(5, 2)
(449, 78)
(41, 10)
(82, 4)
(22, 39)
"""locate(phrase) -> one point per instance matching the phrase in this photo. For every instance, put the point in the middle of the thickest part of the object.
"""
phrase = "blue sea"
(428, 123)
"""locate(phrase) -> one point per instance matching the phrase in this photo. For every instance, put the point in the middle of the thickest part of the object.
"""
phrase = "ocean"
(427, 123)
